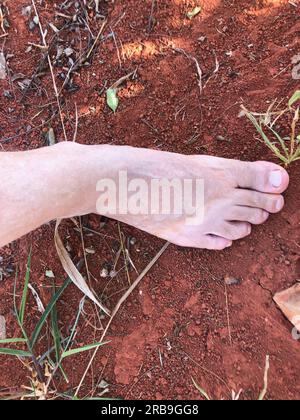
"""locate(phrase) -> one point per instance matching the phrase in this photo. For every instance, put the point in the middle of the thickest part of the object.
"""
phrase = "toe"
(247, 214)
(263, 177)
(213, 242)
(272, 203)
(233, 230)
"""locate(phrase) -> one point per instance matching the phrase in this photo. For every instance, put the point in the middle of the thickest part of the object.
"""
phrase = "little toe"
(234, 230)
(217, 243)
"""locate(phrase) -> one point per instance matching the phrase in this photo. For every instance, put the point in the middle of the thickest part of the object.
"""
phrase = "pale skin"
(60, 181)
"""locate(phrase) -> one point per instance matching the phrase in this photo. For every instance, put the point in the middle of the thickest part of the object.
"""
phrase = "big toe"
(263, 176)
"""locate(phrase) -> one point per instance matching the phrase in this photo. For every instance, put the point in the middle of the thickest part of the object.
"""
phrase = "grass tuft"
(42, 368)
(286, 149)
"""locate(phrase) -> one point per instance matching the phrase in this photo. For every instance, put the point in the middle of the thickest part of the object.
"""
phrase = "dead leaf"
(49, 274)
(2, 328)
(51, 137)
(289, 302)
(2, 66)
(195, 12)
(39, 303)
(72, 271)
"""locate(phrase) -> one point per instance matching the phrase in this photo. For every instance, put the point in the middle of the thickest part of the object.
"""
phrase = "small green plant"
(43, 368)
(287, 149)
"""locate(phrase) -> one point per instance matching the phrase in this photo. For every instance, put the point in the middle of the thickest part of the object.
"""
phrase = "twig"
(263, 393)
(199, 71)
(194, 59)
(96, 40)
(124, 254)
(151, 19)
(217, 68)
(122, 80)
(83, 58)
(2, 23)
(76, 124)
(51, 70)
(41, 47)
(228, 317)
(119, 304)
(117, 48)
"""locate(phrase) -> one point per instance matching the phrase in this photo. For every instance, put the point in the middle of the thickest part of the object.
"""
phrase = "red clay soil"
(176, 325)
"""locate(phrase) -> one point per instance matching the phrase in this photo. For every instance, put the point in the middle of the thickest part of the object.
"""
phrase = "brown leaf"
(72, 271)
(289, 302)
(2, 66)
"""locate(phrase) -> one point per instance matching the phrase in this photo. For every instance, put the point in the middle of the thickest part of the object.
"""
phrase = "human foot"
(236, 194)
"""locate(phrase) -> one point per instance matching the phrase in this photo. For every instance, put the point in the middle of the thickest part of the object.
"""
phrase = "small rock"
(132, 241)
(68, 51)
(221, 138)
(26, 11)
(104, 273)
(103, 384)
(2, 328)
(7, 94)
(232, 281)
(32, 25)
(49, 274)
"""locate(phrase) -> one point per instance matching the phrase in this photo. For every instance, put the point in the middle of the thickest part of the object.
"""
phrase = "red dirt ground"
(179, 310)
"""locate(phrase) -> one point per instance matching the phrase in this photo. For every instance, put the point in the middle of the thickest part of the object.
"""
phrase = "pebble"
(221, 138)
(232, 281)
(2, 328)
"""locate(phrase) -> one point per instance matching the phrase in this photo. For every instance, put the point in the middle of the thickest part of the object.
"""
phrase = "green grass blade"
(47, 312)
(55, 330)
(17, 353)
(25, 290)
(296, 155)
(73, 331)
(13, 341)
(295, 98)
(202, 392)
(260, 130)
(282, 142)
(100, 399)
(57, 338)
(75, 398)
(69, 353)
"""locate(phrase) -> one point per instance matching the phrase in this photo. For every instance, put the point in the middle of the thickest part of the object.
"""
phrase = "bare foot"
(237, 194)
(63, 180)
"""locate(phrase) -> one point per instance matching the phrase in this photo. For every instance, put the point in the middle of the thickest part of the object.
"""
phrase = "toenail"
(279, 205)
(276, 179)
